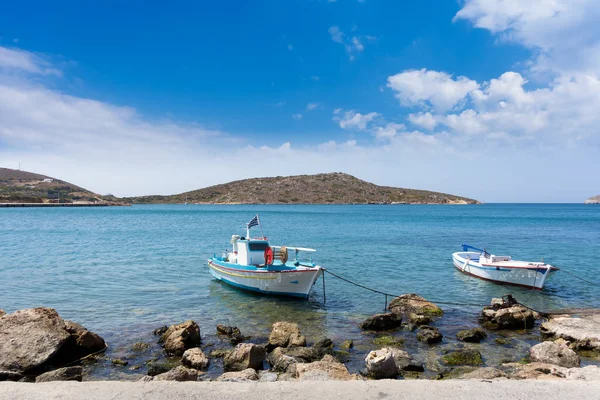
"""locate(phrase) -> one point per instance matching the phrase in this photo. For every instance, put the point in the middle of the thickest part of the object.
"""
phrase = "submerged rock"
(328, 369)
(388, 341)
(429, 334)
(414, 304)
(244, 356)
(347, 344)
(195, 358)
(140, 346)
(382, 322)
(219, 353)
(475, 335)
(463, 357)
(232, 332)
(583, 332)
(286, 334)
(246, 375)
(179, 374)
(120, 362)
(62, 374)
(554, 353)
(158, 368)
(178, 338)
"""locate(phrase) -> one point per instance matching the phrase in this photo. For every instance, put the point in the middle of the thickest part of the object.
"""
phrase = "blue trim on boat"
(540, 270)
(270, 268)
(253, 289)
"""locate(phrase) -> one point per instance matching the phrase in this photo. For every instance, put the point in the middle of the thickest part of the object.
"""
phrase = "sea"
(124, 271)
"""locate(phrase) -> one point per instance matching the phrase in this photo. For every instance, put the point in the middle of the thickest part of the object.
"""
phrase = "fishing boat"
(254, 264)
(502, 269)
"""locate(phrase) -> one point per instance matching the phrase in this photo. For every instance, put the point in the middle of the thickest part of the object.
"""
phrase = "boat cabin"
(248, 251)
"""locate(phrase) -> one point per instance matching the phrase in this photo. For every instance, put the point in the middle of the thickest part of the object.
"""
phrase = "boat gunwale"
(256, 271)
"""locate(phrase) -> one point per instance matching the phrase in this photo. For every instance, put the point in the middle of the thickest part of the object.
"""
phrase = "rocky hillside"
(332, 188)
(18, 186)
(593, 200)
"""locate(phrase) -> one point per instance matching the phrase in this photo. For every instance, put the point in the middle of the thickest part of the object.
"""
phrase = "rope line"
(578, 277)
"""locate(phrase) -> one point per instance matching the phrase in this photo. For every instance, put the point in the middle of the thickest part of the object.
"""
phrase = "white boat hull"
(292, 282)
(532, 275)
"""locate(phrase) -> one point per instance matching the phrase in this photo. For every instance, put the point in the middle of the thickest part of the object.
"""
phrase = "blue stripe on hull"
(257, 290)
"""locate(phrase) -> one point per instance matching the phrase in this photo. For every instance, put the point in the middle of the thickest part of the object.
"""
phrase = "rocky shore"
(37, 345)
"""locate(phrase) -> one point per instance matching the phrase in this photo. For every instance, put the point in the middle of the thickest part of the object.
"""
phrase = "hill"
(593, 200)
(18, 186)
(332, 188)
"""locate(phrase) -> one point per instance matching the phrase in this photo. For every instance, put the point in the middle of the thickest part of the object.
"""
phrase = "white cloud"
(357, 45)
(431, 88)
(336, 34)
(388, 131)
(15, 60)
(423, 119)
(352, 44)
(297, 116)
(354, 120)
(311, 106)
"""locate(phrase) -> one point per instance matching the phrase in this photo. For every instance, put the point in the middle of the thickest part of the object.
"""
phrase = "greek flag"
(253, 222)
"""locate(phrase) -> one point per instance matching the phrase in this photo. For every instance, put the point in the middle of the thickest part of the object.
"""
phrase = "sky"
(496, 100)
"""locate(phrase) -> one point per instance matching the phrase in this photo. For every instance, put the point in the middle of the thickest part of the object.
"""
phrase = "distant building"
(48, 180)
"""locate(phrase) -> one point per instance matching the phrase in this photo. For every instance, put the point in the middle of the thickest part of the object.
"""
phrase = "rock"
(246, 375)
(512, 317)
(10, 376)
(179, 374)
(286, 334)
(418, 320)
(405, 362)
(31, 338)
(388, 341)
(463, 357)
(324, 345)
(232, 332)
(536, 370)
(264, 376)
(2, 313)
(140, 346)
(475, 335)
(382, 322)
(244, 356)
(195, 358)
(484, 373)
(554, 353)
(178, 338)
(158, 368)
(412, 303)
(120, 362)
(429, 334)
(146, 378)
(281, 362)
(347, 344)
(160, 331)
(584, 332)
(219, 353)
(380, 364)
(327, 369)
(62, 374)
(86, 341)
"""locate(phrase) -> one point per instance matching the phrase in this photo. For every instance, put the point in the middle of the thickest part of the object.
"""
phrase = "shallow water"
(124, 271)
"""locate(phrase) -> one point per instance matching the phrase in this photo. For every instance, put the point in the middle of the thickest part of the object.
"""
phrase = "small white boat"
(255, 265)
(502, 269)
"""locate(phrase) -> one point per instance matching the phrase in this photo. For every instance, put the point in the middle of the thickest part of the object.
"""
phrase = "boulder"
(412, 303)
(195, 358)
(244, 356)
(380, 364)
(264, 376)
(160, 331)
(2, 313)
(178, 338)
(583, 333)
(382, 322)
(507, 316)
(246, 375)
(554, 353)
(536, 370)
(484, 373)
(30, 339)
(405, 362)
(475, 335)
(180, 374)
(429, 334)
(286, 334)
(328, 369)
(62, 374)
(87, 342)
(232, 332)
(10, 376)
(280, 361)
(418, 319)
(463, 357)
(158, 368)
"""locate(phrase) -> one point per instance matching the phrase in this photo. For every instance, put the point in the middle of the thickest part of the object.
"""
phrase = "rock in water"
(29, 339)
(463, 357)
(382, 322)
(412, 303)
(281, 362)
(583, 332)
(286, 334)
(405, 362)
(62, 374)
(380, 364)
(180, 374)
(328, 369)
(475, 335)
(429, 334)
(498, 316)
(86, 341)
(234, 334)
(244, 356)
(554, 353)
(178, 338)
(195, 358)
(246, 375)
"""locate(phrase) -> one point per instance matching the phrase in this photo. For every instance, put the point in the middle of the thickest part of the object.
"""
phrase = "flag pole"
(259, 224)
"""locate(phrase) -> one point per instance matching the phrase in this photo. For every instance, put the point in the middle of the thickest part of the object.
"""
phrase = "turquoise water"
(123, 271)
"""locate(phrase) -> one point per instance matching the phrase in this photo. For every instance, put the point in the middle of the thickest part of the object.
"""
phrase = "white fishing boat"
(255, 265)
(502, 269)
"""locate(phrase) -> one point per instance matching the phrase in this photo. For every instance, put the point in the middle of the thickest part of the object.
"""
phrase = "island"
(329, 188)
(593, 200)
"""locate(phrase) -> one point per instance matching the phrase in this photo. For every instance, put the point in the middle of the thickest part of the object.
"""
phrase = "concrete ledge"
(384, 389)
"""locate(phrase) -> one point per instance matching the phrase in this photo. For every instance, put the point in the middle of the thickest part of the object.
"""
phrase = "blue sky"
(123, 96)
